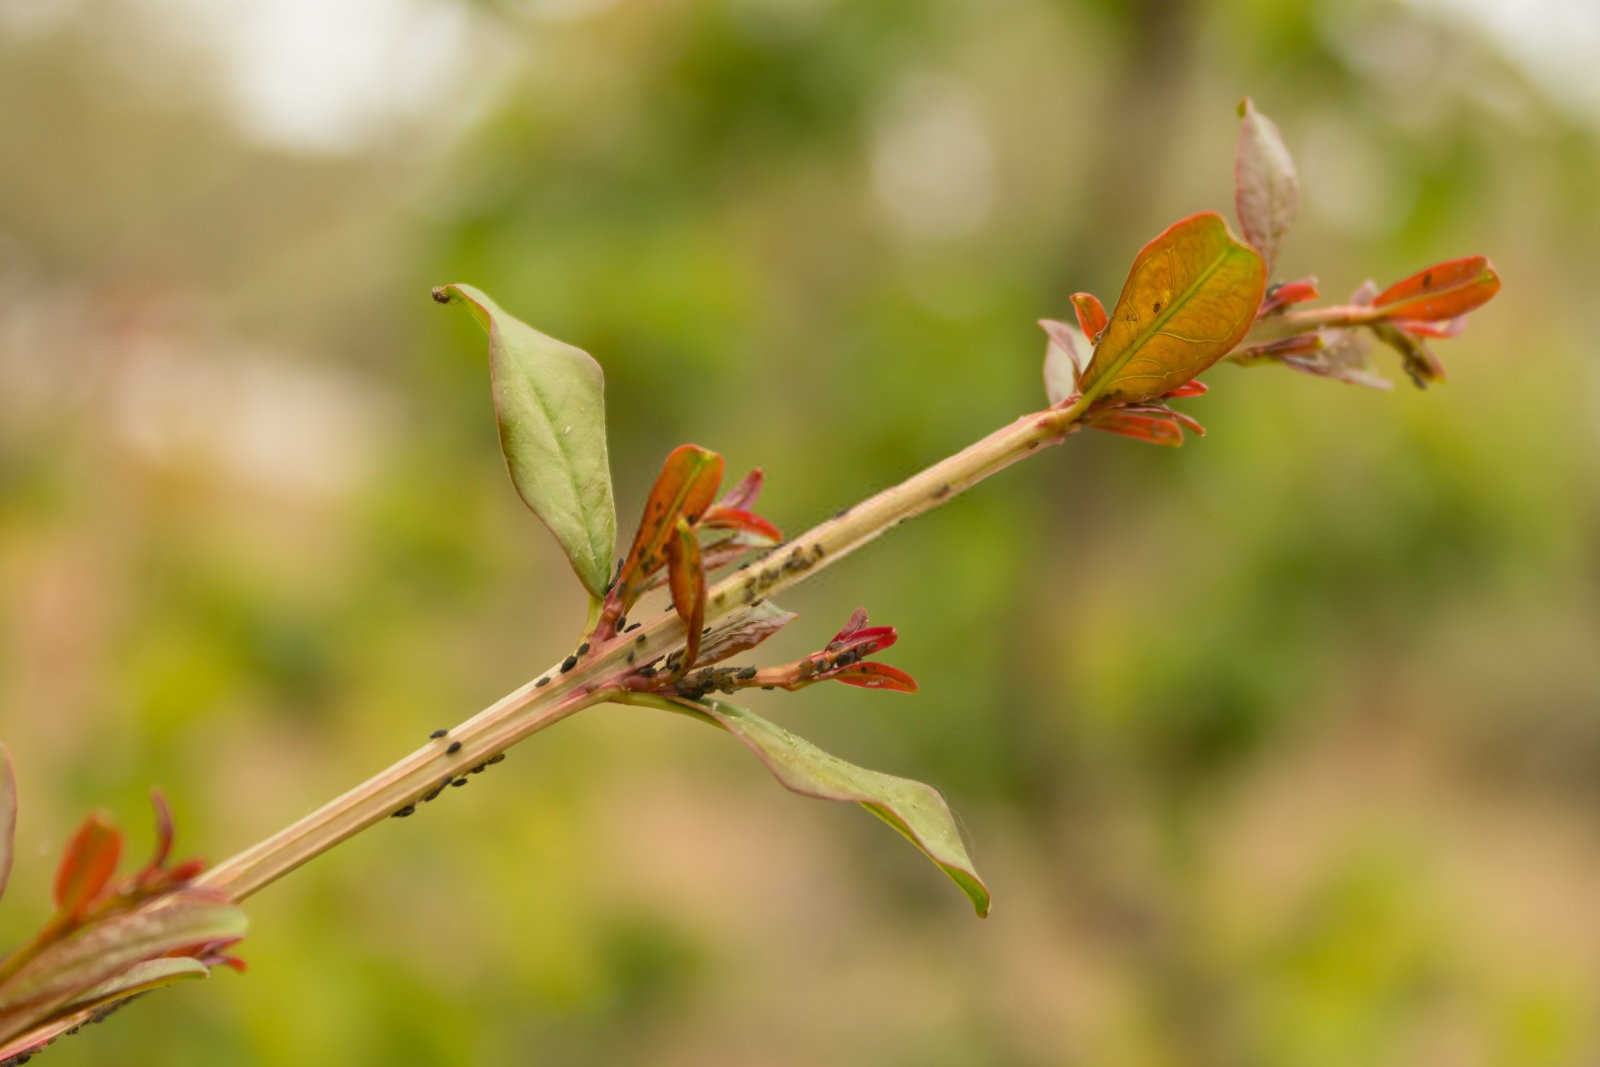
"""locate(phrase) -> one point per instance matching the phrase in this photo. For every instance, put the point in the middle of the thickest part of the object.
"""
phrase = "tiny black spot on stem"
(746, 674)
(583, 649)
(437, 734)
(542, 682)
(455, 746)
(403, 812)
(568, 663)
(459, 782)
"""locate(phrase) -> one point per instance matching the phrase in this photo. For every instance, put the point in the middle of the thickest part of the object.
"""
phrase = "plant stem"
(595, 677)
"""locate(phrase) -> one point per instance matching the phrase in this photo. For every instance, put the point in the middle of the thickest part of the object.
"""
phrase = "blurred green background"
(1281, 749)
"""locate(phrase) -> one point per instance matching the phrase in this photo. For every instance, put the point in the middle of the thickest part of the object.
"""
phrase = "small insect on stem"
(437, 734)
(455, 746)
(568, 663)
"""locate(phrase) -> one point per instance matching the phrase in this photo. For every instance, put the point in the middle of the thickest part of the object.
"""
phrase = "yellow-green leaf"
(1191, 295)
(913, 808)
(549, 398)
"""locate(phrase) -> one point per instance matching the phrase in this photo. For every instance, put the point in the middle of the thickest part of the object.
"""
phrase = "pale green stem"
(593, 679)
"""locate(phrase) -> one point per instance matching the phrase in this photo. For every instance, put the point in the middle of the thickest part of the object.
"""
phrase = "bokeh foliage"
(1279, 749)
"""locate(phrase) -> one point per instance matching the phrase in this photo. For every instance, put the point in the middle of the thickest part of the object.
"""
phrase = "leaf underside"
(1190, 297)
(1266, 192)
(913, 808)
(549, 400)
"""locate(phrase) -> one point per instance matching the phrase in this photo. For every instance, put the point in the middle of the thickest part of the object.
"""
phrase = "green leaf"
(8, 816)
(102, 950)
(1266, 188)
(140, 978)
(1191, 295)
(549, 398)
(913, 808)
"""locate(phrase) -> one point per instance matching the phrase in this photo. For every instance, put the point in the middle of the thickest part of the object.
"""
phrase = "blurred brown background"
(1282, 749)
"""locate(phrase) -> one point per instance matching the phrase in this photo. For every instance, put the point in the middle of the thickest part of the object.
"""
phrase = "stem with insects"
(594, 676)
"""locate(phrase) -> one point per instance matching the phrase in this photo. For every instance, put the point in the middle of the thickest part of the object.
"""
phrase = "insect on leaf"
(1191, 295)
(549, 399)
(913, 808)
(1442, 291)
(1266, 189)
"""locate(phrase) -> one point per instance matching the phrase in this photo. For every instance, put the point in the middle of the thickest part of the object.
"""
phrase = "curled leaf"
(1266, 189)
(1091, 315)
(687, 580)
(913, 808)
(549, 399)
(1442, 291)
(87, 867)
(1066, 353)
(742, 631)
(1191, 295)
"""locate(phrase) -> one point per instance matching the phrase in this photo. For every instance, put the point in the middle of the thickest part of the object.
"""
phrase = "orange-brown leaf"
(684, 490)
(90, 862)
(1442, 291)
(1091, 314)
(1191, 295)
(686, 577)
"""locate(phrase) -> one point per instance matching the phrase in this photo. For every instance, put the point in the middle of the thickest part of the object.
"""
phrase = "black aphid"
(568, 663)
(459, 782)
(403, 812)
(455, 746)
(583, 649)
(438, 734)
(542, 681)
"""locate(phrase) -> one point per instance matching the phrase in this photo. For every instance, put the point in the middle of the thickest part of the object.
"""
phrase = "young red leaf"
(1154, 429)
(684, 489)
(1191, 295)
(1266, 189)
(1091, 315)
(1442, 291)
(1446, 328)
(1283, 294)
(877, 676)
(88, 865)
(687, 580)
(723, 517)
(8, 816)
(743, 496)
(1193, 387)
